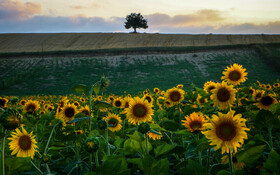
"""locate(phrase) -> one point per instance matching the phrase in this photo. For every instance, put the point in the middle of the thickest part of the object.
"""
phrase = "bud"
(10, 119)
(102, 124)
(91, 145)
(104, 82)
(144, 128)
(45, 158)
(14, 100)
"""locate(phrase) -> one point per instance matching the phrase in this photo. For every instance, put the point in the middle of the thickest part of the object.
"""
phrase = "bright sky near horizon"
(164, 16)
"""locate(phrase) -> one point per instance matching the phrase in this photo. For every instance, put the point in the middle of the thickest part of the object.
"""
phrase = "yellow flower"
(154, 136)
(174, 95)
(208, 86)
(139, 110)
(31, 106)
(22, 143)
(148, 98)
(85, 110)
(237, 165)
(235, 74)
(223, 95)
(265, 102)
(114, 122)
(194, 122)
(68, 112)
(156, 90)
(258, 94)
(118, 102)
(226, 131)
(180, 86)
(201, 100)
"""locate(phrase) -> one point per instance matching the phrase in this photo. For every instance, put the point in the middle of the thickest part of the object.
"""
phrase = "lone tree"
(135, 20)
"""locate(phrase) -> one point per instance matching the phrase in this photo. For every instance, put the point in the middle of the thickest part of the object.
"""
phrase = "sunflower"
(118, 102)
(148, 98)
(31, 106)
(208, 86)
(139, 111)
(174, 95)
(268, 87)
(156, 90)
(114, 122)
(223, 95)
(237, 165)
(276, 85)
(180, 86)
(154, 136)
(251, 91)
(201, 100)
(76, 103)
(266, 101)
(160, 102)
(22, 143)
(167, 103)
(126, 102)
(99, 97)
(258, 94)
(235, 74)
(22, 102)
(226, 131)
(3, 102)
(68, 112)
(110, 99)
(85, 110)
(10, 119)
(82, 99)
(194, 122)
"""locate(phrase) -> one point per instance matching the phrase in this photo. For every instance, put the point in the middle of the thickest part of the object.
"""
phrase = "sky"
(164, 16)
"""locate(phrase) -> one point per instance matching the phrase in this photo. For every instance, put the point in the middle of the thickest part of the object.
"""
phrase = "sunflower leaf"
(101, 104)
(78, 120)
(250, 155)
(80, 88)
(163, 149)
(275, 108)
(17, 164)
(272, 163)
(96, 88)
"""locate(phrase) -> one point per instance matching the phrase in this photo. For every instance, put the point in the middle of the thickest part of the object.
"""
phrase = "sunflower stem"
(208, 159)
(200, 157)
(107, 140)
(90, 162)
(230, 163)
(270, 137)
(47, 145)
(38, 169)
(96, 159)
(48, 169)
(147, 148)
(3, 152)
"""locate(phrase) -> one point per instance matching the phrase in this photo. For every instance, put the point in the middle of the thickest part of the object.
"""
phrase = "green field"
(131, 73)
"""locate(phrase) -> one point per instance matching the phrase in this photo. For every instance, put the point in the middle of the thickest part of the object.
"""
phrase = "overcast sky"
(164, 16)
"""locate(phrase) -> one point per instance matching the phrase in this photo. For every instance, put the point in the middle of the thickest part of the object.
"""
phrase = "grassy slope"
(131, 73)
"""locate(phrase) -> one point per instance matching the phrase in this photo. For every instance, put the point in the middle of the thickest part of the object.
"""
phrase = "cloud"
(79, 7)
(16, 10)
(201, 17)
(203, 21)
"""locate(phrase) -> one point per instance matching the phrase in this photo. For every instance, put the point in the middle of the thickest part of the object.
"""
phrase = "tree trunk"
(134, 30)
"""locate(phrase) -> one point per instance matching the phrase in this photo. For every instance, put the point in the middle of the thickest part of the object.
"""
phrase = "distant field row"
(131, 73)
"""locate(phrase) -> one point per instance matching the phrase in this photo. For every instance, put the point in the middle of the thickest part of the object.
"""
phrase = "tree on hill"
(135, 20)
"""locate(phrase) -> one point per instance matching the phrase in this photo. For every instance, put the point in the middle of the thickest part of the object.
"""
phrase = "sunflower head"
(113, 122)
(223, 95)
(237, 165)
(3, 102)
(139, 110)
(226, 131)
(194, 122)
(180, 86)
(276, 85)
(156, 90)
(22, 102)
(235, 74)
(154, 136)
(266, 101)
(22, 143)
(200, 100)
(68, 112)
(149, 98)
(175, 95)
(91, 145)
(258, 94)
(118, 102)
(85, 110)
(31, 106)
(10, 119)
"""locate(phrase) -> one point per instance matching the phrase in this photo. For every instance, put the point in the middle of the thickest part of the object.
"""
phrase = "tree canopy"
(135, 20)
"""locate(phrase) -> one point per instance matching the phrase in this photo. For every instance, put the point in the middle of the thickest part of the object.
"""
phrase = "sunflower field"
(222, 128)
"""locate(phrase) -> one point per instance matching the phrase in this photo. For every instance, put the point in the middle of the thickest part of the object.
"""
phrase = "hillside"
(49, 42)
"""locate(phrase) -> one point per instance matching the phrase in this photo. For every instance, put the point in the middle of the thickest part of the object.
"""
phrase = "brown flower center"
(148, 98)
(139, 110)
(194, 125)
(69, 112)
(24, 142)
(211, 88)
(266, 100)
(226, 131)
(85, 111)
(223, 95)
(113, 122)
(126, 105)
(175, 96)
(118, 103)
(234, 75)
(2, 102)
(31, 108)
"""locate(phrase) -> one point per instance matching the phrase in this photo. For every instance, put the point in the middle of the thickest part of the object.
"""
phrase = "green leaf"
(115, 164)
(80, 88)
(78, 120)
(170, 125)
(118, 142)
(194, 168)
(273, 162)
(56, 148)
(275, 108)
(202, 144)
(131, 146)
(157, 127)
(18, 164)
(164, 149)
(137, 136)
(250, 155)
(160, 168)
(101, 104)
(96, 88)
(183, 132)
(223, 172)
